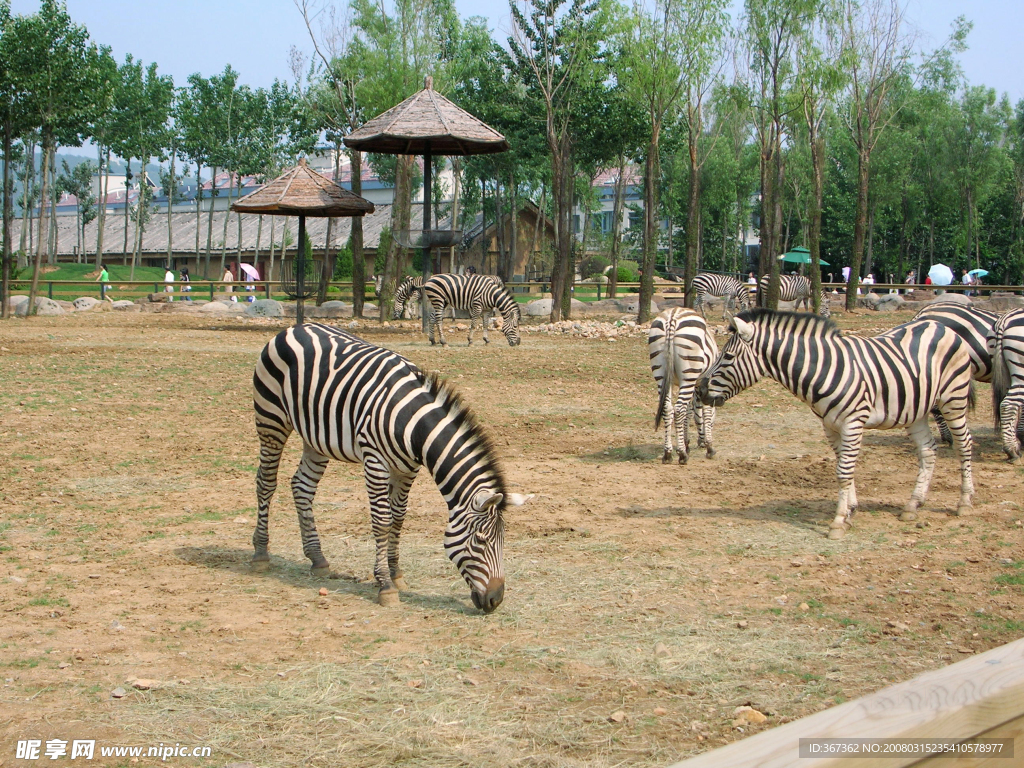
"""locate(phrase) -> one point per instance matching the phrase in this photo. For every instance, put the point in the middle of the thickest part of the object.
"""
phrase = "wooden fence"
(979, 698)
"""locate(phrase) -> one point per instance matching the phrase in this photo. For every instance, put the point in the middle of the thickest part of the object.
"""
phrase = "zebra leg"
(271, 446)
(304, 483)
(682, 415)
(944, 433)
(438, 319)
(706, 424)
(964, 444)
(669, 415)
(846, 444)
(485, 322)
(398, 493)
(1009, 422)
(378, 487)
(921, 434)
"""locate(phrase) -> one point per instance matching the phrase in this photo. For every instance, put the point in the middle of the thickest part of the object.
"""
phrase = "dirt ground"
(644, 603)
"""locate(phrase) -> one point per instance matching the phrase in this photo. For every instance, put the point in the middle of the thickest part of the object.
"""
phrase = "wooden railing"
(981, 698)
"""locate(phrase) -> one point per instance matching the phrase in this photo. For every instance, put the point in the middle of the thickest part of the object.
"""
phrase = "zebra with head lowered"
(681, 349)
(1007, 345)
(728, 288)
(479, 294)
(794, 288)
(853, 384)
(975, 326)
(352, 401)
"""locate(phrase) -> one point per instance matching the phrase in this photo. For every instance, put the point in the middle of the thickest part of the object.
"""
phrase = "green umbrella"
(800, 255)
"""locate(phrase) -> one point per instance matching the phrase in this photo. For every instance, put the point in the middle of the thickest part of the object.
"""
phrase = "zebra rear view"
(681, 349)
(854, 383)
(352, 401)
(1007, 344)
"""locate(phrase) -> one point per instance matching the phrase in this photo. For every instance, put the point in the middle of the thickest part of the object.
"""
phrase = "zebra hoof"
(908, 516)
(388, 598)
(711, 452)
(260, 563)
(683, 458)
(320, 571)
(399, 582)
(666, 457)
(836, 533)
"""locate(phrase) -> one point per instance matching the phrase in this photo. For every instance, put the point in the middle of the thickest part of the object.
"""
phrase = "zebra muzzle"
(490, 599)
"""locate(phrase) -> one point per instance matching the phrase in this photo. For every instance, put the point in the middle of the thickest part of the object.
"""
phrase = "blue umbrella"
(978, 273)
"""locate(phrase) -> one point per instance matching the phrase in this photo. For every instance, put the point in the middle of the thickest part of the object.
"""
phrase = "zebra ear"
(518, 499)
(484, 500)
(743, 328)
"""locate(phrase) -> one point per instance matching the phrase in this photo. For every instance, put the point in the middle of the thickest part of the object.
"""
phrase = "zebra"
(406, 293)
(352, 401)
(681, 349)
(975, 326)
(853, 384)
(1007, 347)
(794, 288)
(478, 294)
(731, 290)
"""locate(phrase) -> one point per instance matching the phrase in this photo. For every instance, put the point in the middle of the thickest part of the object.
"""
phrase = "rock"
(48, 307)
(264, 308)
(323, 592)
(661, 651)
(354, 325)
(895, 628)
(340, 305)
(870, 301)
(804, 607)
(741, 625)
(118, 693)
(18, 305)
(542, 307)
(213, 306)
(1001, 302)
(956, 298)
(158, 298)
(67, 306)
(617, 717)
(660, 711)
(748, 716)
(890, 302)
(85, 303)
(123, 305)
(145, 684)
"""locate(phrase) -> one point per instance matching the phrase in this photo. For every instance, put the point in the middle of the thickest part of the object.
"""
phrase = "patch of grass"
(1016, 579)
(30, 663)
(46, 600)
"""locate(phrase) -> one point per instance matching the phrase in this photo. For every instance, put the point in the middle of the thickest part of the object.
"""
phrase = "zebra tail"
(1000, 377)
(666, 380)
(972, 399)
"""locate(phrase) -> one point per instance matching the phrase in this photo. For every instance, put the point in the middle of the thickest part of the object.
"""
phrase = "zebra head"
(737, 367)
(474, 541)
(510, 324)
(742, 296)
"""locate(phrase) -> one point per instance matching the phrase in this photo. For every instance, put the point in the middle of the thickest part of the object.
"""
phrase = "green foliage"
(593, 265)
(343, 263)
(382, 248)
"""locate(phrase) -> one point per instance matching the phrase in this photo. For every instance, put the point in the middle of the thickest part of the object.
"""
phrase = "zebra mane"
(806, 322)
(452, 401)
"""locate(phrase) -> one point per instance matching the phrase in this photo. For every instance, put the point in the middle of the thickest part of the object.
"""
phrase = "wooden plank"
(1011, 730)
(960, 701)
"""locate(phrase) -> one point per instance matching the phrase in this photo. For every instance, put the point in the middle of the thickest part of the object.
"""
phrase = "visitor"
(869, 282)
(186, 289)
(169, 281)
(752, 285)
(104, 280)
(966, 279)
(228, 278)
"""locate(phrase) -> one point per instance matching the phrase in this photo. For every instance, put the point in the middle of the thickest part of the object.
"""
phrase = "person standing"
(228, 278)
(911, 279)
(169, 282)
(104, 280)
(966, 280)
(186, 288)
(751, 285)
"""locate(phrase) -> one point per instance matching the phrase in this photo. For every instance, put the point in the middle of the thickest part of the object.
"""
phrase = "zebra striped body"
(352, 401)
(406, 293)
(1008, 379)
(681, 349)
(794, 288)
(479, 294)
(853, 384)
(974, 326)
(732, 291)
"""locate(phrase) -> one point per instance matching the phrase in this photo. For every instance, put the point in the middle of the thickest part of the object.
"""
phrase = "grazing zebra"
(853, 384)
(352, 401)
(731, 290)
(406, 293)
(974, 326)
(794, 288)
(681, 349)
(1008, 379)
(479, 294)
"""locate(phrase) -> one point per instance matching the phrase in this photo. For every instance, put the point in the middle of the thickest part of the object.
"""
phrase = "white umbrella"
(940, 274)
(250, 271)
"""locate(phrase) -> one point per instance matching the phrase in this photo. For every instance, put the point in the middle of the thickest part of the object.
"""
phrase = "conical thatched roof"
(301, 190)
(427, 121)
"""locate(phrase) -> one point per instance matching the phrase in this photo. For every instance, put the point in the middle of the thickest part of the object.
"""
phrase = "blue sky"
(254, 36)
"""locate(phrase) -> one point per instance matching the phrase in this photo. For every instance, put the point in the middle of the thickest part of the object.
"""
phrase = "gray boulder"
(542, 307)
(48, 307)
(214, 307)
(124, 305)
(264, 308)
(955, 298)
(890, 302)
(85, 303)
(1001, 303)
(18, 305)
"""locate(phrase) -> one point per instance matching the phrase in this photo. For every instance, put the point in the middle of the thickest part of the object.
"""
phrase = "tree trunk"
(650, 229)
(394, 265)
(814, 216)
(327, 273)
(256, 250)
(26, 209)
(224, 231)
(124, 246)
(358, 259)
(692, 218)
(859, 228)
(776, 233)
(209, 225)
(620, 187)
(41, 242)
(199, 212)
(170, 215)
(869, 257)
(8, 215)
(456, 200)
(51, 240)
(238, 196)
(270, 271)
(513, 223)
(561, 192)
